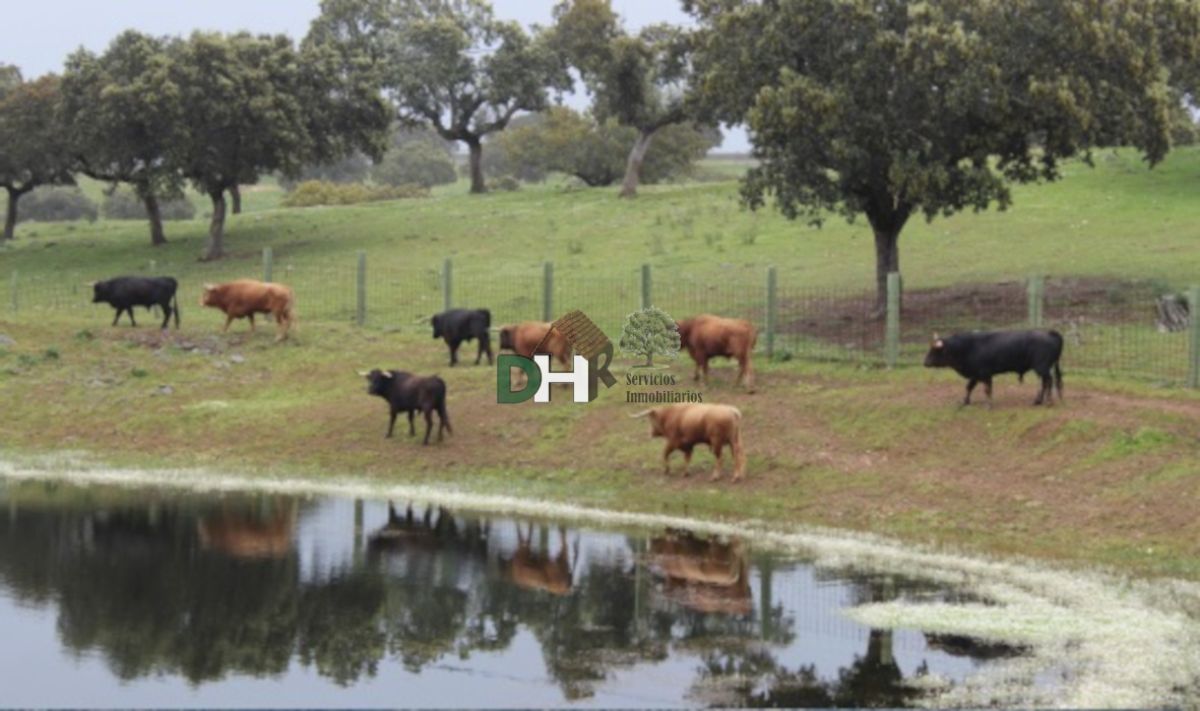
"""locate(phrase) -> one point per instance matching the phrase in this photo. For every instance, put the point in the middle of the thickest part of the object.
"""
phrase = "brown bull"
(524, 339)
(245, 297)
(706, 575)
(243, 535)
(686, 425)
(706, 337)
(536, 569)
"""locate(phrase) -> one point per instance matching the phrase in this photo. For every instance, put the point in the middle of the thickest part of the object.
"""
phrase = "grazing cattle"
(686, 425)
(409, 393)
(524, 339)
(123, 293)
(706, 337)
(245, 297)
(538, 570)
(245, 535)
(705, 575)
(980, 356)
(458, 325)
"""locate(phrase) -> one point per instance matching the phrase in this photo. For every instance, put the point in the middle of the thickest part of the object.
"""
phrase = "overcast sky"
(39, 35)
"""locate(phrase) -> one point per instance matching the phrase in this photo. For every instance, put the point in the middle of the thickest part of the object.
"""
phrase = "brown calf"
(686, 425)
(524, 339)
(245, 297)
(707, 336)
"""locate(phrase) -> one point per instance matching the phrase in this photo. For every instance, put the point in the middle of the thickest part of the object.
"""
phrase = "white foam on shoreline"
(1111, 642)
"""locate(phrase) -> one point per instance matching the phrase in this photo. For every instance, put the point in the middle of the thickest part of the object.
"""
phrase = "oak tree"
(641, 80)
(891, 108)
(445, 64)
(122, 116)
(32, 140)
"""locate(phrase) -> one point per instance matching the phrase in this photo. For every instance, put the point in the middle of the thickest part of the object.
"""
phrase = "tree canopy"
(254, 105)
(33, 140)
(123, 117)
(566, 141)
(640, 80)
(895, 108)
(446, 64)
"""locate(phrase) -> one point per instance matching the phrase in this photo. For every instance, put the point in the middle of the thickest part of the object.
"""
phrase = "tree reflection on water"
(204, 589)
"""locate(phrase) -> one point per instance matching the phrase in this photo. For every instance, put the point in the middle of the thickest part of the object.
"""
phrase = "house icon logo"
(593, 355)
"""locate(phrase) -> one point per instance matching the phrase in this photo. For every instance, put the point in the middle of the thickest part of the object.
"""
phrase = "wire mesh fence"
(1109, 326)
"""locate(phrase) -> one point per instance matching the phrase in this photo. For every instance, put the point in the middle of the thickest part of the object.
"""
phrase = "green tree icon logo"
(648, 333)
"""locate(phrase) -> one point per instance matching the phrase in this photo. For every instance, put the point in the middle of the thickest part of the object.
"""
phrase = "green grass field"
(1109, 478)
(1118, 219)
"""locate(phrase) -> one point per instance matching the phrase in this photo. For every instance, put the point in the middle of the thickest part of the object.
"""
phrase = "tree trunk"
(154, 213)
(633, 167)
(887, 260)
(235, 193)
(215, 248)
(477, 184)
(10, 222)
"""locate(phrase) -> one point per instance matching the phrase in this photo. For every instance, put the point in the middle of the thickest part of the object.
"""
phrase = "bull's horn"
(209, 287)
(92, 283)
(387, 373)
(936, 337)
(643, 413)
(363, 373)
(421, 319)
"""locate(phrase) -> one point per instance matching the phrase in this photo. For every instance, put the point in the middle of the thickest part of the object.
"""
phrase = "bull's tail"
(1058, 381)
(175, 308)
(487, 318)
(443, 416)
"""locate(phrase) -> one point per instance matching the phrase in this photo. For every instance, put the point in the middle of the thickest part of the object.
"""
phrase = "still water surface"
(121, 597)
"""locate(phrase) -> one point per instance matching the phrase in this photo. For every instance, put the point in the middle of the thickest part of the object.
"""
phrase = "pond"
(150, 597)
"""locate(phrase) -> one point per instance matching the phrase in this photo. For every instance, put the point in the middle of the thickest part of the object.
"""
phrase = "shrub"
(593, 151)
(351, 169)
(505, 183)
(415, 163)
(124, 204)
(315, 192)
(56, 204)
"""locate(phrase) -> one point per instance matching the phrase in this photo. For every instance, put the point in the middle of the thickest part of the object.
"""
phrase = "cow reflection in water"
(536, 569)
(705, 575)
(243, 534)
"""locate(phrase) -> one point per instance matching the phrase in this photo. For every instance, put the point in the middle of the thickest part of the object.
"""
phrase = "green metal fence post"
(16, 301)
(548, 291)
(771, 310)
(1036, 295)
(447, 286)
(268, 263)
(361, 311)
(1194, 340)
(892, 335)
(646, 302)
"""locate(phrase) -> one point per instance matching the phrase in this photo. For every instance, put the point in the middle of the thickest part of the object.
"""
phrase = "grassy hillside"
(1117, 219)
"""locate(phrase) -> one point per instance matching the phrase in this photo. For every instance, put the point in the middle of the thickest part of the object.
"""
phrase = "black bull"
(980, 356)
(123, 293)
(458, 325)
